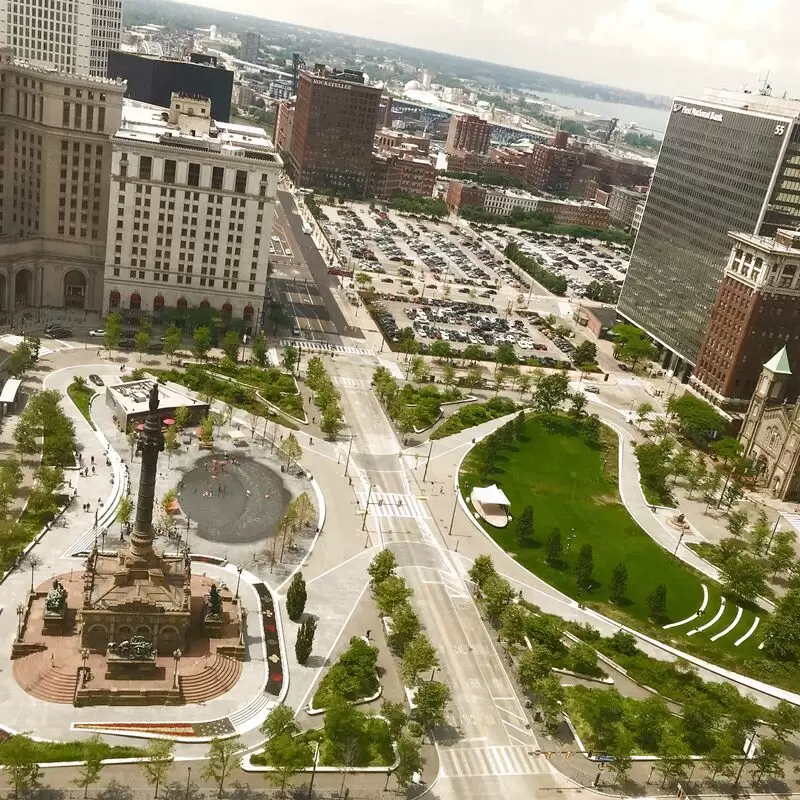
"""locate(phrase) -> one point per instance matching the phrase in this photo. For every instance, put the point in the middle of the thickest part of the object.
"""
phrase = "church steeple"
(771, 388)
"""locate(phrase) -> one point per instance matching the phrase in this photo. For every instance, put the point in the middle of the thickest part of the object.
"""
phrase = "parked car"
(97, 332)
(96, 380)
(592, 390)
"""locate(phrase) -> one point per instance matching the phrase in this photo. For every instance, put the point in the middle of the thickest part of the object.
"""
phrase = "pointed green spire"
(779, 363)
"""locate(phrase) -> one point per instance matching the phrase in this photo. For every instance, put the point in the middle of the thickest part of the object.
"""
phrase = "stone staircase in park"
(39, 677)
(215, 678)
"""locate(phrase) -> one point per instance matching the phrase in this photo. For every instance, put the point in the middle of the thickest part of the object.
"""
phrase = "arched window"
(158, 302)
(227, 309)
(113, 299)
(183, 304)
(136, 301)
(205, 304)
(248, 312)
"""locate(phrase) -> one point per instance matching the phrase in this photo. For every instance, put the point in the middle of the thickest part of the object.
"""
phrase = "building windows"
(241, 181)
(145, 167)
(169, 172)
(217, 177)
(193, 176)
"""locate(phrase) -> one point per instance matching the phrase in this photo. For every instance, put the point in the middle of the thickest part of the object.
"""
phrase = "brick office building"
(333, 131)
(756, 312)
(467, 134)
(464, 194)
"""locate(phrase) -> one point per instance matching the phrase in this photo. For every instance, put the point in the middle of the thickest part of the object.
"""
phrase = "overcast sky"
(663, 46)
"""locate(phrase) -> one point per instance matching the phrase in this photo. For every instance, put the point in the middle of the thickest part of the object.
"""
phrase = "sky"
(659, 46)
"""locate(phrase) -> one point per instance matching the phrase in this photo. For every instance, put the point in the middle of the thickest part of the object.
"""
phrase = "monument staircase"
(216, 677)
(45, 680)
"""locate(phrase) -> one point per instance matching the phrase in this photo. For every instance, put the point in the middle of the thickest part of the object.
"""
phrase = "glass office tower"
(726, 164)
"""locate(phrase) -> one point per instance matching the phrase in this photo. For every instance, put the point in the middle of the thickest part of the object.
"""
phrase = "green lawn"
(572, 486)
(82, 397)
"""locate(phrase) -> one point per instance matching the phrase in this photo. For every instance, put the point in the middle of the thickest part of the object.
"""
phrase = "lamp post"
(313, 771)
(680, 539)
(349, 448)
(366, 509)
(20, 614)
(188, 779)
(177, 656)
(453, 515)
(238, 579)
(427, 462)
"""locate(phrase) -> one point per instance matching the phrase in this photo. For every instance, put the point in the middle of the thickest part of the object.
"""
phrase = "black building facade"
(153, 80)
(721, 168)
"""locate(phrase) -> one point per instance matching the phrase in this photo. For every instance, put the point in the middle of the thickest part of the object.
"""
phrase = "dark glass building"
(730, 162)
(153, 80)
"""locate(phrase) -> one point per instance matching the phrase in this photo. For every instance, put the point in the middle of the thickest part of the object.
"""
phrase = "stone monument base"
(126, 669)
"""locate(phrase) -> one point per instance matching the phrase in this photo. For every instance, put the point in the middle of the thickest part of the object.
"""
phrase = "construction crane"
(612, 126)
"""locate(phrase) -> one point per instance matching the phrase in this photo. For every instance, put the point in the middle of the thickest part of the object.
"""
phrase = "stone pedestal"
(212, 626)
(118, 668)
(53, 622)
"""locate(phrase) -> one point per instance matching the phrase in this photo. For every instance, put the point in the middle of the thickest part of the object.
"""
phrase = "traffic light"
(548, 755)
(568, 754)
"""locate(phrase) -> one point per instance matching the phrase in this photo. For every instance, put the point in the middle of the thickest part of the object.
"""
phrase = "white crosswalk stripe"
(628, 382)
(327, 347)
(387, 504)
(454, 585)
(351, 383)
(476, 762)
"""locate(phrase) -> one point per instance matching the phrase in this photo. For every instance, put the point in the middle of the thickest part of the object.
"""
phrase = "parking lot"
(446, 284)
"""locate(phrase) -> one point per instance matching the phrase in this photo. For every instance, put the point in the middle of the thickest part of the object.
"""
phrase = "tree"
(550, 392)
(431, 699)
(223, 760)
(91, 767)
(18, 757)
(441, 350)
(332, 420)
(290, 358)
(782, 629)
(524, 384)
(768, 759)
(418, 657)
(395, 716)
(344, 729)
(472, 353)
(280, 720)
(419, 369)
(143, 338)
(182, 417)
(504, 355)
(171, 443)
(405, 626)
(650, 721)
(488, 455)
(737, 522)
(584, 567)
(583, 658)
(230, 346)
(525, 526)
(409, 759)
(20, 360)
(474, 377)
(172, 340)
(157, 762)
(657, 601)
(631, 345)
(259, 350)
(785, 720)
(782, 554)
(744, 576)
(680, 465)
(553, 550)
(534, 664)
(623, 748)
(25, 436)
(760, 533)
(514, 624)
(519, 425)
(290, 447)
(673, 756)
(201, 342)
(448, 376)
(619, 583)
(643, 411)
(497, 594)
(382, 566)
(390, 593)
(481, 570)
(305, 640)
(296, 597)
(585, 353)
(697, 420)
(577, 405)
(113, 331)
(700, 718)
(287, 756)
(696, 476)
(721, 759)
(551, 697)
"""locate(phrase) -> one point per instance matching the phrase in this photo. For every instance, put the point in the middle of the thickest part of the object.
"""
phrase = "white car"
(97, 332)
(288, 252)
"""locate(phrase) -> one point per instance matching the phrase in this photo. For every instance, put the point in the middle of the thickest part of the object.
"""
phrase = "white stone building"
(190, 213)
(70, 35)
(504, 201)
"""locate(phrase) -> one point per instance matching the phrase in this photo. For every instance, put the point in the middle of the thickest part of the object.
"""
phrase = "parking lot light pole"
(453, 515)
(427, 462)
(366, 509)
(349, 448)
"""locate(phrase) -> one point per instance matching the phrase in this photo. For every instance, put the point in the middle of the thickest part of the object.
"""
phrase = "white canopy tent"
(490, 496)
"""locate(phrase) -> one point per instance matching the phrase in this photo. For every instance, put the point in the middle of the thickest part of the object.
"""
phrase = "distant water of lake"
(652, 120)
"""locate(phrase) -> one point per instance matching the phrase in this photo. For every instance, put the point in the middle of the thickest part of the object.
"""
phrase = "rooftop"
(750, 101)
(150, 123)
(786, 242)
(779, 363)
(134, 397)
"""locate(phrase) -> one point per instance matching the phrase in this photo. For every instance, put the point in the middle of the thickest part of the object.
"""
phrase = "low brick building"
(464, 194)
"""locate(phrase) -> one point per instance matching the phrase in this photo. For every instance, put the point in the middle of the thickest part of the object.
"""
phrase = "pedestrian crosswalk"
(46, 346)
(476, 762)
(628, 382)
(388, 504)
(326, 347)
(351, 383)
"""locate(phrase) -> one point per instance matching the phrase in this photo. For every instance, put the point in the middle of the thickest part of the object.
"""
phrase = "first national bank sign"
(693, 111)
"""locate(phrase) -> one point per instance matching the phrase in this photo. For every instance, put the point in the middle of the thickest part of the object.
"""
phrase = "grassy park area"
(571, 484)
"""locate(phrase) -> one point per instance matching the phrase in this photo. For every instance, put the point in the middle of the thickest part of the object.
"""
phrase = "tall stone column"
(152, 443)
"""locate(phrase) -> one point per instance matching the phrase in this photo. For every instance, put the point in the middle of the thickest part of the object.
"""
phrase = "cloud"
(574, 35)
